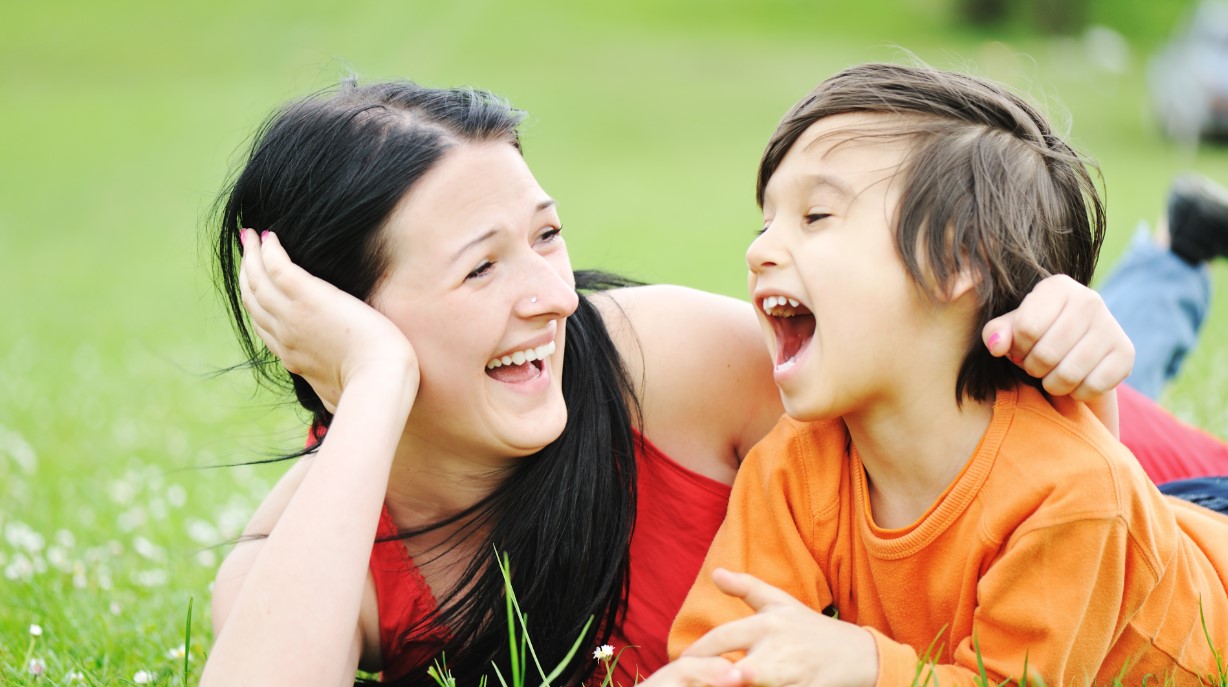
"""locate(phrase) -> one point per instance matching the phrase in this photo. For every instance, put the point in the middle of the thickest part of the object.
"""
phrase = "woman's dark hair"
(325, 173)
(988, 187)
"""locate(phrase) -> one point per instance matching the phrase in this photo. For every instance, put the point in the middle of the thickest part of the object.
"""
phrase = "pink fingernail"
(263, 235)
(993, 339)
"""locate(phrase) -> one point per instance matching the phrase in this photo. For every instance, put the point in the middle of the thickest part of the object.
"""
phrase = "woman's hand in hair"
(319, 332)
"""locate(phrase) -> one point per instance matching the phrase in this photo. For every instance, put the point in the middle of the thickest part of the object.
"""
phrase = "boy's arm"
(1054, 603)
(766, 533)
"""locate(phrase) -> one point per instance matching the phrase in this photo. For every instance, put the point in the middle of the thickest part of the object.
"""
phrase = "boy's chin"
(808, 409)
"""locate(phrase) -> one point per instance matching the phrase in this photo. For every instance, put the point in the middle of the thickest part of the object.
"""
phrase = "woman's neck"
(429, 482)
(914, 447)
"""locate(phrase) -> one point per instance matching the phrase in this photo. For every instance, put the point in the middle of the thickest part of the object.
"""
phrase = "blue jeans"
(1160, 301)
(1208, 492)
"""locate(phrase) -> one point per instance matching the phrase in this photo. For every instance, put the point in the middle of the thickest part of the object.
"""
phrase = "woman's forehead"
(474, 189)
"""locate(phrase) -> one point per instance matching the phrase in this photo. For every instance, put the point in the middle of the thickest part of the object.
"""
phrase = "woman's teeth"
(772, 303)
(521, 357)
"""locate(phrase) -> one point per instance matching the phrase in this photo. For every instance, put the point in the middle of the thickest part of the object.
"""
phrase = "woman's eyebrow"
(490, 233)
(487, 235)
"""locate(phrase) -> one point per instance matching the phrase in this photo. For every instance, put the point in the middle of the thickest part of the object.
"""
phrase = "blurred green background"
(120, 121)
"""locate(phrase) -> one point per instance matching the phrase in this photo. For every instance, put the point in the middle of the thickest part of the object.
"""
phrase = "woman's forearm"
(294, 617)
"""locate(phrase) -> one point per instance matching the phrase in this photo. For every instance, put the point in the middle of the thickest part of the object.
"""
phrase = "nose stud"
(533, 299)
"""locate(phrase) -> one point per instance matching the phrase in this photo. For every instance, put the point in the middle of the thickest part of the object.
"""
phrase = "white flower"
(604, 652)
(36, 667)
(36, 631)
(143, 677)
(75, 676)
(177, 653)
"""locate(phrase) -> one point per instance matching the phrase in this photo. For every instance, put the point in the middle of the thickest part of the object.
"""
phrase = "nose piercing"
(533, 299)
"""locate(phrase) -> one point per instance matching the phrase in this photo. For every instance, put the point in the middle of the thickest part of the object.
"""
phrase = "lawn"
(122, 120)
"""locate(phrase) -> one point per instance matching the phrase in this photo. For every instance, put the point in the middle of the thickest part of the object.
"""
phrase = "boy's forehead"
(848, 145)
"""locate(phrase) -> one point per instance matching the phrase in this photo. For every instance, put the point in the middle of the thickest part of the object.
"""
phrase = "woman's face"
(480, 282)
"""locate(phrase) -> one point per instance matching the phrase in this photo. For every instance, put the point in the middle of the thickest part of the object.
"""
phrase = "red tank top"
(678, 513)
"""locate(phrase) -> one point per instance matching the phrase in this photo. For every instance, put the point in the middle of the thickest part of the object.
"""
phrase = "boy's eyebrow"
(814, 181)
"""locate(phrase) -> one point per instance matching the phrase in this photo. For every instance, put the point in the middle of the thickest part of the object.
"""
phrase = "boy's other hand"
(786, 643)
(1063, 334)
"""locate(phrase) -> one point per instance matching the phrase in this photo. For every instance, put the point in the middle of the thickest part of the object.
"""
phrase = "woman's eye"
(550, 234)
(481, 270)
(816, 216)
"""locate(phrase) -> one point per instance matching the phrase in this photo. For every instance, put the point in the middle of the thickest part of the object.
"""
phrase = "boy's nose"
(764, 252)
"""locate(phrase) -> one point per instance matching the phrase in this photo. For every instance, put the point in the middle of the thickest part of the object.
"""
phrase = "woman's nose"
(550, 291)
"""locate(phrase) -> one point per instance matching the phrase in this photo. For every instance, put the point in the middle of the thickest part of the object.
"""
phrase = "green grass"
(122, 119)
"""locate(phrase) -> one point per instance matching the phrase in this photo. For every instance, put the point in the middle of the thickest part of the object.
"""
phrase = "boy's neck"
(914, 447)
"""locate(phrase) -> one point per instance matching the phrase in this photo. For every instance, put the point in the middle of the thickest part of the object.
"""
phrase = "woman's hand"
(1063, 334)
(318, 331)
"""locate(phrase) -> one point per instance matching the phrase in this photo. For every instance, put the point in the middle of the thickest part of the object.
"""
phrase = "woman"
(412, 278)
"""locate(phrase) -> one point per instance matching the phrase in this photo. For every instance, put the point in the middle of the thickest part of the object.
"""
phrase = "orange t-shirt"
(1052, 546)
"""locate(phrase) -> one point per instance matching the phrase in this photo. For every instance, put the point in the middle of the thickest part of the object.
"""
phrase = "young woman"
(405, 268)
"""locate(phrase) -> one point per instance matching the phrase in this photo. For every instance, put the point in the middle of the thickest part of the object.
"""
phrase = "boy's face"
(837, 306)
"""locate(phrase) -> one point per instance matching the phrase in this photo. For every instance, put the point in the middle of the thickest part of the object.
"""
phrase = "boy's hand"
(689, 671)
(786, 643)
(1063, 334)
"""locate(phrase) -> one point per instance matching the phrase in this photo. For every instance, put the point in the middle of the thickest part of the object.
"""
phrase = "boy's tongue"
(513, 374)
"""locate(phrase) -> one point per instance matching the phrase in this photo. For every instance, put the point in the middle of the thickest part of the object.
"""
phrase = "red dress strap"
(677, 514)
(403, 599)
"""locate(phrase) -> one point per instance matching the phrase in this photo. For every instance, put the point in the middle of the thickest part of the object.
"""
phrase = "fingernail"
(1017, 360)
(263, 235)
(993, 339)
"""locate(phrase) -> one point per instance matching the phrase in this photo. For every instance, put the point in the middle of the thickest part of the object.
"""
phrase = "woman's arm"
(704, 374)
(287, 608)
(701, 369)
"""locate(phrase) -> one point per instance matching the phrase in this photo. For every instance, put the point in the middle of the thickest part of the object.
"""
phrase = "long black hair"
(325, 173)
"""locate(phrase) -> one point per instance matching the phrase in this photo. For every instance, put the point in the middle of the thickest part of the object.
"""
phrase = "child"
(928, 497)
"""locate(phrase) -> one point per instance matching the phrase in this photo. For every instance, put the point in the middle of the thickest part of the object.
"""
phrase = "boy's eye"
(816, 216)
(481, 270)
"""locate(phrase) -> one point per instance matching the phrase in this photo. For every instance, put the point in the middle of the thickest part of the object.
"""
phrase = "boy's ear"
(962, 282)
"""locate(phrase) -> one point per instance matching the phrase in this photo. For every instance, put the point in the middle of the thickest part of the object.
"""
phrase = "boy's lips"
(793, 326)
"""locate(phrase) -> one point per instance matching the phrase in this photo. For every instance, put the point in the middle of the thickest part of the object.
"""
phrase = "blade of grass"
(187, 641)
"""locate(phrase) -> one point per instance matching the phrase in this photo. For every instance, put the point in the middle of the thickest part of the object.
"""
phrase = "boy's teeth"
(521, 357)
(771, 303)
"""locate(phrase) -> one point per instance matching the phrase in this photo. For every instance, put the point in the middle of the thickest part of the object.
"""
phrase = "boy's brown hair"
(988, 188)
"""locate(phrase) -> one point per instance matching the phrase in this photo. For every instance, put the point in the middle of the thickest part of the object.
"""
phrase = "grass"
(122, 120)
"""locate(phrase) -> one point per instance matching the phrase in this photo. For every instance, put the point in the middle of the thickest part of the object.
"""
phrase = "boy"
(921, 491)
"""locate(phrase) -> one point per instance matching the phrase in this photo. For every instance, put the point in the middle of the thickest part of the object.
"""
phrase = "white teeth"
(522, 357)
(776, 306)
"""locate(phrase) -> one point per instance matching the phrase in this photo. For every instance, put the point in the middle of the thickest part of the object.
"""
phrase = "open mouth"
(520, 366)
(793, 325)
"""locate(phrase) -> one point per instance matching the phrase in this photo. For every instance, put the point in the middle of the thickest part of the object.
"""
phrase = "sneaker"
(1198, 219)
